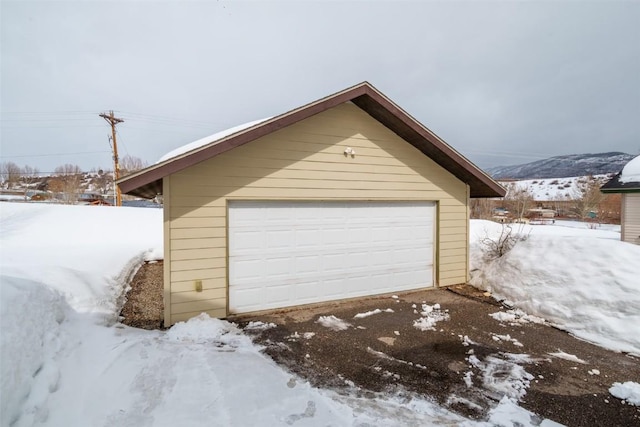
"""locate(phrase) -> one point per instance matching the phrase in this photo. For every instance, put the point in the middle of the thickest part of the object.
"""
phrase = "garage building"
(345, 197)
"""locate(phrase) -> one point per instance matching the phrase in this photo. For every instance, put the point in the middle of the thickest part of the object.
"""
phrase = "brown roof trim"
(411, 130)
(148, 182)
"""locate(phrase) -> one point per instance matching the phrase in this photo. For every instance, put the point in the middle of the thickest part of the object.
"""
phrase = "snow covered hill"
(564, 166)
(555, 189)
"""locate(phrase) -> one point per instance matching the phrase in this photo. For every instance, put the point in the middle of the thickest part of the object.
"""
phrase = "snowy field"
(66, 361)
(551, 189)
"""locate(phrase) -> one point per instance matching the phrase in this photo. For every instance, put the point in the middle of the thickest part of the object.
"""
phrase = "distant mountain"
(564, 166)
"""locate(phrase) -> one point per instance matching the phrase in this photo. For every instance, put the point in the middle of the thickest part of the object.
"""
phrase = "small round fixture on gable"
(349, 152)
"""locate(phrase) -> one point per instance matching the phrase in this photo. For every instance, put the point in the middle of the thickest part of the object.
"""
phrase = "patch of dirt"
(384, 352)
(474, 293)
(144, 306)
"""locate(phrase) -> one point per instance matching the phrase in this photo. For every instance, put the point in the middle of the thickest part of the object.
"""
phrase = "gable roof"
(627, 181)
(148, 182)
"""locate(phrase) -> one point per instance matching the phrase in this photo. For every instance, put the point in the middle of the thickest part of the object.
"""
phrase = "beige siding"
(631, 218)
(166, 292)
(304, 161)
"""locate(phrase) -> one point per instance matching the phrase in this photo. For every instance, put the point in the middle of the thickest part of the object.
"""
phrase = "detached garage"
(345, 197)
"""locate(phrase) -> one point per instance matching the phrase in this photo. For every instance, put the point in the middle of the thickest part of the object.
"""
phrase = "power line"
(49, 112)
(53, 154)
(157, 118)
(48, 127)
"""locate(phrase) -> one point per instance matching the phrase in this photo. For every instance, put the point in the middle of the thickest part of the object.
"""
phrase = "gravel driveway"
(450, 345)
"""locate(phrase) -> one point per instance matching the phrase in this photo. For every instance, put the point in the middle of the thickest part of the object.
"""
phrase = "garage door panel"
(280, 239)
(277, 294)
(277, 268)
(247, 241)
(333, 235)
(289, 253)
(307, 265)
(381, 235)
(379, 256)
(333, 288)
(246, 269)
(359, 235)
(307, 290)
(334, 263)
(307, 238)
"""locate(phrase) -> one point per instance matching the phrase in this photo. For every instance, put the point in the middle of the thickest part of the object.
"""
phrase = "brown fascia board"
(366, 97)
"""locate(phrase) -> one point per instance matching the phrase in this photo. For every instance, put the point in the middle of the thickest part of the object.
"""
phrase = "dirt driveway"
(464, 358)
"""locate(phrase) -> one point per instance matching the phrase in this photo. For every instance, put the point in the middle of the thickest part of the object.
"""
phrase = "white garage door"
(289, 253)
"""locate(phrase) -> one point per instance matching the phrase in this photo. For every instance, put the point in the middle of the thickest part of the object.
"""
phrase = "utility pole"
(113, 121)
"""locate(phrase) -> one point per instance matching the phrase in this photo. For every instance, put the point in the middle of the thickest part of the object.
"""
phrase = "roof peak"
(148, 182)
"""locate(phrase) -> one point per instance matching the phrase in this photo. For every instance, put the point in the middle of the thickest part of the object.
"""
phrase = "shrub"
(497, 247)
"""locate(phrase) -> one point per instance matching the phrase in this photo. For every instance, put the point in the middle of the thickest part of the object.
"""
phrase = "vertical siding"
(631, 218)
(305, 161)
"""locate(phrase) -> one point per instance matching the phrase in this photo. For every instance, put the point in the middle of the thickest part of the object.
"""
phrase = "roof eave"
(412, 131)
(612, 190)
(615, 186)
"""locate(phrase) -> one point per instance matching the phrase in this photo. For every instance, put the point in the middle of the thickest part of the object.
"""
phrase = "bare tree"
(101, 180)
(518, 200)
(587, 197)
(611, 208)
(482, 208)
(68, 180)
(10, 173)
(130, 164)
(30, 175)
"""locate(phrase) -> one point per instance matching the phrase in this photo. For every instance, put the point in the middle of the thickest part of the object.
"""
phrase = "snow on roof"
(209, 139)
(631, 171)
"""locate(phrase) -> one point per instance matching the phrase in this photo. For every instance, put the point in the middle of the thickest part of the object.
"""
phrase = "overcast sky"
(501, 82)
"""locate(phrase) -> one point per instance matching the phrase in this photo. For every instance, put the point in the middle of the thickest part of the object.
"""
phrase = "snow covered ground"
(554, 189)
(66, 361)
(580, 279)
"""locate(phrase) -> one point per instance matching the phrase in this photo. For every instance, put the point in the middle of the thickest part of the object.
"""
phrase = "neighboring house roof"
(627, 181)
(148, 182)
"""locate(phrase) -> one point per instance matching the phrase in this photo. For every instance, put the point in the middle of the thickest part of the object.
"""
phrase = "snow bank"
(203, 329)
(580, 280)
(31, 316)
(56, 261)
(87, 253)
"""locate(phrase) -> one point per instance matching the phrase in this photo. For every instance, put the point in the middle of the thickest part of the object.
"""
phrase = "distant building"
(627, 183)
